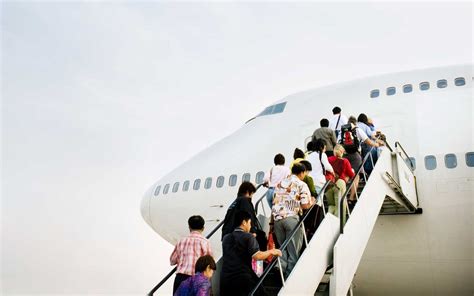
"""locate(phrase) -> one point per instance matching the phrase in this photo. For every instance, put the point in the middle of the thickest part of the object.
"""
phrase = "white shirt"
(317, 172)
(278, 173)
(333, 121)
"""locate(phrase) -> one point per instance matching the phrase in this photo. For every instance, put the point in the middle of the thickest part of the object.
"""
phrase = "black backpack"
(349, 139)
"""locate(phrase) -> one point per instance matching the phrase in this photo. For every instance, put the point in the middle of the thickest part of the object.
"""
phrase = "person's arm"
(174, 256)
(262, 255)
(348, 169)
(327, 165)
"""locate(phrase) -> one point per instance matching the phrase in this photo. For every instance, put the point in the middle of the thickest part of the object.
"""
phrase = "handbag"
(330, 176)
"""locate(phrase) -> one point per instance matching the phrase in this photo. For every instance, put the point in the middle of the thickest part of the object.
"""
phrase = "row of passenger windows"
(408, 88)
(450, 161)
(208, 183)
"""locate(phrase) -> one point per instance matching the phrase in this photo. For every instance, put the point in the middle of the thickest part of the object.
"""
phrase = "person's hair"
(324, 122)
(297, 169)
(203, 262)
(241, 216)
(196, 222)
(319, 145)
(363, 118)
(307, 165)
(246, 187)
(336, 110)
(310, 146)
(339, 151)
(298, 153)
(352, 120)
(279, 159)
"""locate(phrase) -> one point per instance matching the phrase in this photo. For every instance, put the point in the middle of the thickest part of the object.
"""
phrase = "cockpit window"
(273, 109)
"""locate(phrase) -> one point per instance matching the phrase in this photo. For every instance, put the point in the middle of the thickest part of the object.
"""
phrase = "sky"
(101, 99)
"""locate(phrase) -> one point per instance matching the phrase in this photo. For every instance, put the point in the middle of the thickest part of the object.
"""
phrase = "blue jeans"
(270, 192)
(282, 229)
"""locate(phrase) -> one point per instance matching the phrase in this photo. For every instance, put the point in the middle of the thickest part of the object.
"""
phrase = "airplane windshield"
(273, 109)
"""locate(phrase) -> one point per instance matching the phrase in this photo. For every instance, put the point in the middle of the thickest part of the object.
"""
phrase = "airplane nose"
(145, 207)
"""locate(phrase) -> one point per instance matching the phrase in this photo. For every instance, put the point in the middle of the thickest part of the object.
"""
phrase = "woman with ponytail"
(320, 164)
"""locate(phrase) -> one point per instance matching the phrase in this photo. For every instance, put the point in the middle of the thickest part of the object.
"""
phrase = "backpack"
(349, 139)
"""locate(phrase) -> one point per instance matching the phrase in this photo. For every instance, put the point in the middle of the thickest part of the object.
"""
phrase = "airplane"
(429, 111)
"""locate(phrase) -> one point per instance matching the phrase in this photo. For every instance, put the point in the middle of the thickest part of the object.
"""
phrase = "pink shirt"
(188, 250)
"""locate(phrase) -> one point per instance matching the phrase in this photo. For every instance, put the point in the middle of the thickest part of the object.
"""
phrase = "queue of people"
(335, 153)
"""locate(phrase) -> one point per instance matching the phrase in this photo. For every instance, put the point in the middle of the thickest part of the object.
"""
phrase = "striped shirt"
(188, 250)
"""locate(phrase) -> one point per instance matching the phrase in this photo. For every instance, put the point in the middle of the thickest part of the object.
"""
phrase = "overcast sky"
(100, 100)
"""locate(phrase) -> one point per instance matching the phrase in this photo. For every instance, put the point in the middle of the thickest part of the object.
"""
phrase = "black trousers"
(180, 277)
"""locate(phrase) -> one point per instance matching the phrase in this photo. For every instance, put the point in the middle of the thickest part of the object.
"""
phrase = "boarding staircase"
(330, 258)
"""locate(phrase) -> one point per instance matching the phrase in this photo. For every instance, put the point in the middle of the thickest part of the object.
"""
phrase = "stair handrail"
(208, 236)
(286, 242)
(412, 166)
(351, 181)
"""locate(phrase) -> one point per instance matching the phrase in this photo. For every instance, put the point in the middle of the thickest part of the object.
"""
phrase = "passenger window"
(176, 187)
(220, 181)
(407, 88)
(442, 83)
(232, 180)
(425, 85)
(186, 186)
(279, 108)
(246, 177)
(197, 184)
(208, 183)
(411, 164)
(157, 190)
(259, 177)
(460, 81)
(430, 162)
(374, 93)
(450, 161)
(470, 159)
(166, 189)
(391, 91)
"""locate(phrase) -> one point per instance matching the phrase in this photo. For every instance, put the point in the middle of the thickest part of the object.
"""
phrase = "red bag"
(270, 245)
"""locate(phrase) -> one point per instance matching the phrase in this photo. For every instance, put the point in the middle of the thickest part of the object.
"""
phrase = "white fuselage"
(427, 254)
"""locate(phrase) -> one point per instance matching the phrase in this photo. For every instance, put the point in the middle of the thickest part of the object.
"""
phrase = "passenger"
(337, 120)
(308, 179)
(243, 202)
(355, 159)
(311, 220)
(291, 197)
(199, 284)
(298, 156)
(344, 173)
(327, 134)
(238, 249)
(188, 250)
(320, 164)
(363, 124)
(275, 175)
